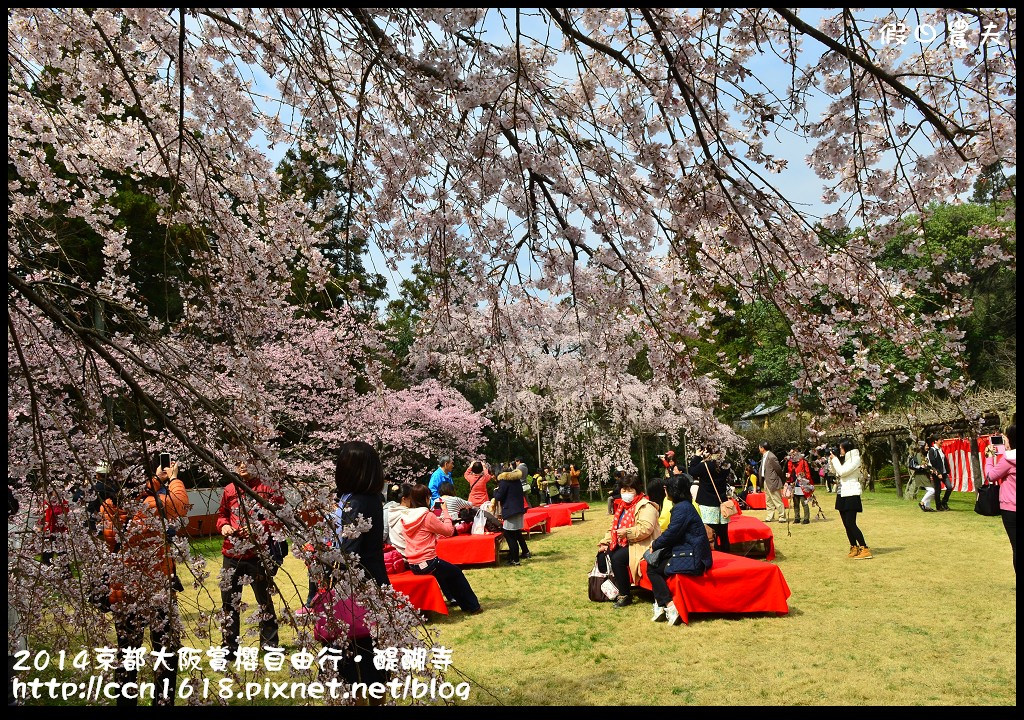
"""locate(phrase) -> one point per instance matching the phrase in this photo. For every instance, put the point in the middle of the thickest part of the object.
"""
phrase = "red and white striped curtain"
(958, 459)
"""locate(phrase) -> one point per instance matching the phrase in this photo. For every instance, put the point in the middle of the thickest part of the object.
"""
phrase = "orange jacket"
(142, 539)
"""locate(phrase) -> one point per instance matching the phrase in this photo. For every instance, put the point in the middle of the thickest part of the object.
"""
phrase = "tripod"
(820, 514)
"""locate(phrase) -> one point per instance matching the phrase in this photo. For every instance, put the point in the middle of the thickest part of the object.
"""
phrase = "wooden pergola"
(984, 411)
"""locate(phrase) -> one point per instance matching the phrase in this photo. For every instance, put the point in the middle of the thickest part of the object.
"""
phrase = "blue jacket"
(688, 540)
(436, 480)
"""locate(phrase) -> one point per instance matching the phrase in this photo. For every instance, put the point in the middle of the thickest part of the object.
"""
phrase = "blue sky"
(797, 181)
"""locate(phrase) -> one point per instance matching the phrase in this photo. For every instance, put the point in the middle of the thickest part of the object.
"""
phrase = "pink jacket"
(478, 487)
(1005, 473)
(421, 531)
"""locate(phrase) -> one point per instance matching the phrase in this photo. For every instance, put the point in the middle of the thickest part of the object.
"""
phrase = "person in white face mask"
(634, 527)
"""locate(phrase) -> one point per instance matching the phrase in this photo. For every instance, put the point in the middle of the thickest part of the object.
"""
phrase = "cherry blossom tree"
(604, 180)
(573, 388)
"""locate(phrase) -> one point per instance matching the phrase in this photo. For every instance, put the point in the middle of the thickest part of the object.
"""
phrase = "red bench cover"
(734, 584)
(756, 501)
(423, 591)
(746, 528)
(469, 549)
(536, 516)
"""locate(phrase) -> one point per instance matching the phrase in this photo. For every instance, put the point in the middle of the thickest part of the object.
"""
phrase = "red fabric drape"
(423, 591)
(756, 501)
(747, 528)
(958, 458)
(561, 513)
(956, 451)
(469, 549)
(734, 584)
(534, 517)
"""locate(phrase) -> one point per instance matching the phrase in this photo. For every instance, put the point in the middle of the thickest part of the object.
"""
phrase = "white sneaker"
(672, 615)
(659, 613)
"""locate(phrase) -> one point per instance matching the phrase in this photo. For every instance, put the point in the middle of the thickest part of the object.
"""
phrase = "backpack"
(394, 562)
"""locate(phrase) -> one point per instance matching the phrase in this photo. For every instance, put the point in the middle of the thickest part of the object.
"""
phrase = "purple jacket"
(1005, 473)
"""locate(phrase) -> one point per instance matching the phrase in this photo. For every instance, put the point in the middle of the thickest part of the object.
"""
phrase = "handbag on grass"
(600, 586)
(727, 508)
(988, 500)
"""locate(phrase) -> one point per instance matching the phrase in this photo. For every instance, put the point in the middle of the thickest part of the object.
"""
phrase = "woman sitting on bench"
(688, 550)
(634, 526)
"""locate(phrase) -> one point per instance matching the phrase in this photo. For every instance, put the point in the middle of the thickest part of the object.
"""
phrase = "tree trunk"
(975, 459)
(869, 468)
(540, 464)
(643, 461)
(895, 466)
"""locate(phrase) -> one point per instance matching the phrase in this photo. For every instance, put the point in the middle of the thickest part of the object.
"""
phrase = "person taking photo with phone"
(137, 520)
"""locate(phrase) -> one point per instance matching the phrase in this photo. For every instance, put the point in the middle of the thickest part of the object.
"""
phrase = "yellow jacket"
(665, 517)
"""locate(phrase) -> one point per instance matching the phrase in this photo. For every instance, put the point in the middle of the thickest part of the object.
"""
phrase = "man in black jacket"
(940, 473)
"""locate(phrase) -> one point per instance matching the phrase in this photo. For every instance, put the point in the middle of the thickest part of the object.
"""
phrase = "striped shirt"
(454, 504)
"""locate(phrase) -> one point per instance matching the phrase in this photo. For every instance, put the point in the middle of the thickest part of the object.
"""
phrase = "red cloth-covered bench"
(756, 501)
(561, 513)
(734, 584)
(470, 549)
(423, 591)
(537, 519)
(576, 507)
(748, 529)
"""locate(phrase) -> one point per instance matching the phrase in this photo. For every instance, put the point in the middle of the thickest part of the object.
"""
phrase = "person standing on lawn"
(847, 470)
(1005, 473)
(562, 478)
(574, 483)
(551, 486)
(477, 475)
(712, 491)
(798, 473)
(358, 482)
(246, 530)
(136, 522)
(940, 475)
(443, 474)
(772, 480)
(513, 512)
(521, 467)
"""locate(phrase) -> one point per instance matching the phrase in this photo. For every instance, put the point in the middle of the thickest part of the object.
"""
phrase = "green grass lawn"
(931, 620)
